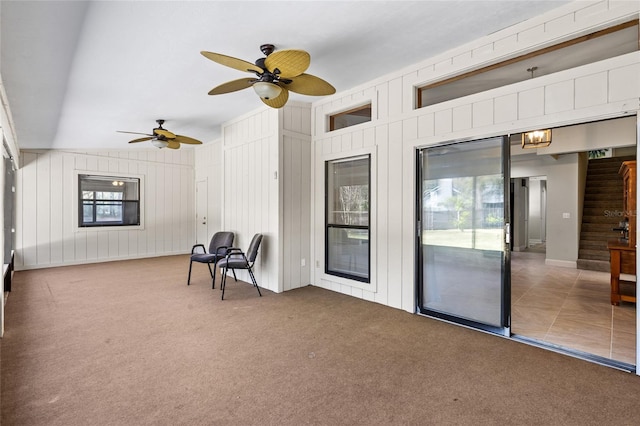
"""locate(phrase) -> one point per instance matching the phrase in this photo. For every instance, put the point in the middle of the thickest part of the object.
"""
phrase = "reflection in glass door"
(463, 233)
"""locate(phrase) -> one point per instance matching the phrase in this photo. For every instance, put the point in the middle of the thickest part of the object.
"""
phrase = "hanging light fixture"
(158, 143)
(267, 90)
(536, 139)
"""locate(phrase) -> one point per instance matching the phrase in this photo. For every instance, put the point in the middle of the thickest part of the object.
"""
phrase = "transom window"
(108, 201)
(347, 218)
(361, 114)
(608, 43)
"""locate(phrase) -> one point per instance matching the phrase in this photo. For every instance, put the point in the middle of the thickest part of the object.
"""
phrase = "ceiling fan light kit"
(267, 90)
(159, 143)
(276, 74)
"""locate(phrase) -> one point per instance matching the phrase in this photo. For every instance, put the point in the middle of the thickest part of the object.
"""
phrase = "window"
(347, 218)
(608, 43)
(108, 201)
(354, 116)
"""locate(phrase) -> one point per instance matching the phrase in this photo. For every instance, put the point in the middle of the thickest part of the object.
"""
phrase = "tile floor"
(570, 308)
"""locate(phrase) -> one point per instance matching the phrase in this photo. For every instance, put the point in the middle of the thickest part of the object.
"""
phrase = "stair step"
(604, 211)
(598, 236)
(597, 227)
(593, 265)
(594, 244)
(593, 255)
(608, 216)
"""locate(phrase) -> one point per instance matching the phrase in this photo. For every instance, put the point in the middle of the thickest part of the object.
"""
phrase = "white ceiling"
(75, 72)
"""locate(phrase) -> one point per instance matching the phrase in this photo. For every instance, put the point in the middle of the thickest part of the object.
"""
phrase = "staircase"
(602, 212)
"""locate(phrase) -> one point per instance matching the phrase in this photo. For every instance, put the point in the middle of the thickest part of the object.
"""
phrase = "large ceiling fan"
(162, 138)
(276, 74)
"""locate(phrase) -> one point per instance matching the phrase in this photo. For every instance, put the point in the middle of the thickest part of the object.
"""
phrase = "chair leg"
(253, 278)
(213, 281)
(189, 278)
(234, 275)
(224, 281)
(210, 273)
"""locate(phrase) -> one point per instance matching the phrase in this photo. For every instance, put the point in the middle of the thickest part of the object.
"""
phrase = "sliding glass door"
(463, 233)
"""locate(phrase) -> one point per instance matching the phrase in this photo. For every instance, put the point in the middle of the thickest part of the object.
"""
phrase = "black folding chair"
(218, 246)
(237, 259)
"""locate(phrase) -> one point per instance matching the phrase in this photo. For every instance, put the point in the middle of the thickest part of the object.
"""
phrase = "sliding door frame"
(505, 314)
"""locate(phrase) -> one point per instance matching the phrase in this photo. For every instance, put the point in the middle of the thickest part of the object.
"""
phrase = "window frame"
(369, 284)
(360, 107)
(77, 200)
(420, 89)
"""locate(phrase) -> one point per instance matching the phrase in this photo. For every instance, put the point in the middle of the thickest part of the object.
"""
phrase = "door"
(202, 229)
(463, 233)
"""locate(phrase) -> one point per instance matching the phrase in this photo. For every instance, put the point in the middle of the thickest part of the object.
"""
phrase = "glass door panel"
(463, 233)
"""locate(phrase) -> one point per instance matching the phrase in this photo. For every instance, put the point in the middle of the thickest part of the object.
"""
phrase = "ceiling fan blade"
(307, 84)
(173, 144)
(232, 86)
(162, 132)
(232, 62)
(279, 101)
(141, 139)
(291, 62)
(133, 133)
(187, 140)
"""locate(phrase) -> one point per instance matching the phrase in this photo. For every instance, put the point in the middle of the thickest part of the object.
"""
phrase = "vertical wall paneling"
(381, 205)
(395, 97)
(26, 211)
(43, 210)
(68, 167)
(407, 247)
(395, 208)
(46, 191)
(56, 220)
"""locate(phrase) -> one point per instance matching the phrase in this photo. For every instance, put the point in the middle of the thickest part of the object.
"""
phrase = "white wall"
(46, 187)
(605, 89)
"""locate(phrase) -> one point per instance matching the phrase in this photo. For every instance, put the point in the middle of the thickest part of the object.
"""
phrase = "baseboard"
(90, 261)
(562, 263)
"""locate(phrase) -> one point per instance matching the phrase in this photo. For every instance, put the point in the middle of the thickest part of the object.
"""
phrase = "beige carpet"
(128, 343)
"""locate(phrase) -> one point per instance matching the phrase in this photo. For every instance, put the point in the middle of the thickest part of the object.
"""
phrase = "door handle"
(507, 233)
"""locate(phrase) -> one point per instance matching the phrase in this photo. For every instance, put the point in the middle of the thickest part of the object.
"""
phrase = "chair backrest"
(252, 251)
(221, 239)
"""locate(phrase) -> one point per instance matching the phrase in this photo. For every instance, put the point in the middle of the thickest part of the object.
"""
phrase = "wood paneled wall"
(605, 89)
(46, 235)
(266, 189)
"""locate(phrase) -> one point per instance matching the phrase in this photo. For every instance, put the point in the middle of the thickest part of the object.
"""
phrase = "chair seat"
(204, 257)
(233, 263)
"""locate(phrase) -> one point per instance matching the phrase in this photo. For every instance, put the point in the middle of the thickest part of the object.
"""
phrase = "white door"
(202, 228)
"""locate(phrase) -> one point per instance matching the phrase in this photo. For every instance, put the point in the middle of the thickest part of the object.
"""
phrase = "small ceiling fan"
(276, 74)
(162, 138)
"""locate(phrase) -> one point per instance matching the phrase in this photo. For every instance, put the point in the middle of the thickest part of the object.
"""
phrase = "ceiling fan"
(162, 138)
(276, 74)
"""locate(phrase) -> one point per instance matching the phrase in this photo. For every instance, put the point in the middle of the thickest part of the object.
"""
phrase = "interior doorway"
(560, 307)
(529, 213)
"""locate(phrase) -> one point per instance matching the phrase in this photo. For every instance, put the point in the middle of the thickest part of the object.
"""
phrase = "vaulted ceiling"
(75, 72)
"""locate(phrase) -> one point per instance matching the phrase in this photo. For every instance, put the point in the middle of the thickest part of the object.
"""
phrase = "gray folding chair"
(220, 242)
(237, 259)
